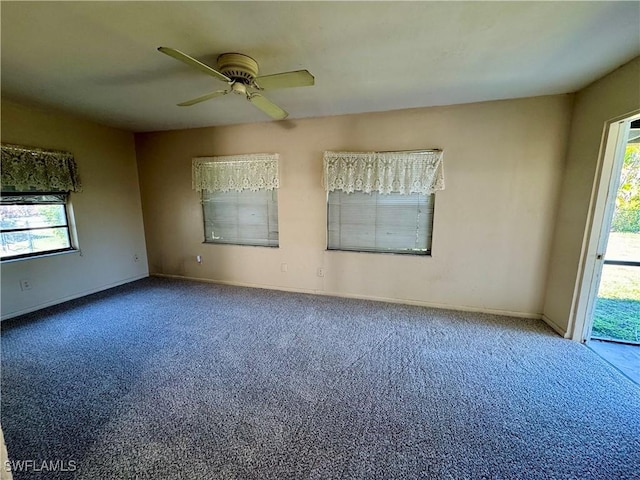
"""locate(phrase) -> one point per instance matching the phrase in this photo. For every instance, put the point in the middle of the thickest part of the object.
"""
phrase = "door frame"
(601, 216)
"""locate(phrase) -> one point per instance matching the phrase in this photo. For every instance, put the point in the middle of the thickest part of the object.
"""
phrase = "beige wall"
(608, 98)
(107, 212)
(493, 223)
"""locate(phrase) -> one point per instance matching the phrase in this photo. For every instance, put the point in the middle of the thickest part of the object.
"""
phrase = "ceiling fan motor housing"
(238, 67)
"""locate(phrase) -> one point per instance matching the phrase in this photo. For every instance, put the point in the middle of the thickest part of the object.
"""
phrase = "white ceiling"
(99, 59)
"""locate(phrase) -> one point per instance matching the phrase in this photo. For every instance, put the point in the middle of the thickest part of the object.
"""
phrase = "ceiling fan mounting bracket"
(238, 67)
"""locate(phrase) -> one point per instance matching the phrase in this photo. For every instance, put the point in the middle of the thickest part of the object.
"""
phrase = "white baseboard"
(402, 301)
(442, 306)
(238, 284)
(84, 293)
(558, 329)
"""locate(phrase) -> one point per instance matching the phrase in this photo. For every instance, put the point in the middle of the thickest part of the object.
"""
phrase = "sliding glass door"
(616, 314)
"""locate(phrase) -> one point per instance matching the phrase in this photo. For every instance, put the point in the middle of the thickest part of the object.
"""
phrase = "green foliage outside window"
(627, 215)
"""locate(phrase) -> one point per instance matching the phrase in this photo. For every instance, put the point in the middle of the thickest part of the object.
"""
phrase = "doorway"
(613, 330)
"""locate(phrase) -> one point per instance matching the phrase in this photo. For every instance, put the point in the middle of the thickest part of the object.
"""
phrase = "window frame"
(66, 226)
(414, 253)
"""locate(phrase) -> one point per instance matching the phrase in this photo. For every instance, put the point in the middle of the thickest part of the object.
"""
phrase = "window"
(382, 201)
(241, 218)
(35, 186)
(375, 222)
(239, 198)
(33, 224)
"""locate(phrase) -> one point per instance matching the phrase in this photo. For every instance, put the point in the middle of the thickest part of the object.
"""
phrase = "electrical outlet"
(199, 259)
(284, 267)
(25, 285)
(320, 272)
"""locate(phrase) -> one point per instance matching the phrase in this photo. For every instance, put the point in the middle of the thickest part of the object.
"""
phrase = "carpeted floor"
(169, 379)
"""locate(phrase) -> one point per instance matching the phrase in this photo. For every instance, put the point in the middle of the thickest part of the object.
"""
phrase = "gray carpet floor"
(185, 380)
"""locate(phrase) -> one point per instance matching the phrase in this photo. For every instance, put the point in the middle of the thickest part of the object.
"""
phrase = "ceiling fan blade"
(299, 78)
(184, 58)
(208, 96)
(267, 106)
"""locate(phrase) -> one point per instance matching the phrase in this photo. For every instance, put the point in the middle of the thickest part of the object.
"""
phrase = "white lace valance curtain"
(384, 172)
(238, 172)
(26, 169)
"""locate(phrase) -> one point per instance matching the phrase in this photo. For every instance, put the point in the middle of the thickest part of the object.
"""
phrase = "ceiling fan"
(240, 72)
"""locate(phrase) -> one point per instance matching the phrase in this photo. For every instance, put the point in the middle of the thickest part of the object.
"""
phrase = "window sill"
(396, 254)
(240, 245)
(35, 257)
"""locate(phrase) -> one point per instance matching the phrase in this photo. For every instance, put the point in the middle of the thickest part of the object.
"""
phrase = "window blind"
(376, 222)
(241, 217)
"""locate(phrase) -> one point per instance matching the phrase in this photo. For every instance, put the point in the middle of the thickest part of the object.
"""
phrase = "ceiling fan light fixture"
(239, 88)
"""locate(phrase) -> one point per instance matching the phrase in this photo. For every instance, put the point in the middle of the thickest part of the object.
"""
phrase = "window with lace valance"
(239, 195)
(382, 201)
(34, 218)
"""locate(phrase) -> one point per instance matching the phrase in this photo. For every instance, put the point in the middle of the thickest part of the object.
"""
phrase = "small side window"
(34, 224)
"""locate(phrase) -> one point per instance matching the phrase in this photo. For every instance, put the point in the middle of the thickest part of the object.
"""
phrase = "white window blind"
(241, 218)
(376, 222)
